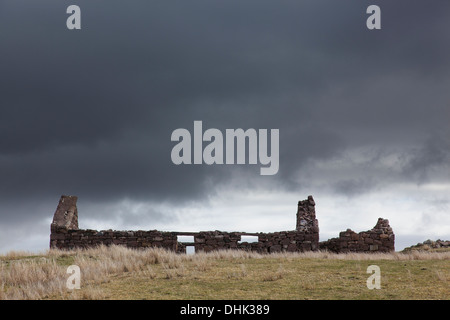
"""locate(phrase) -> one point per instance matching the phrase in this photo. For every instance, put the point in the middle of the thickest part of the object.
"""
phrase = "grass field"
(121, 273)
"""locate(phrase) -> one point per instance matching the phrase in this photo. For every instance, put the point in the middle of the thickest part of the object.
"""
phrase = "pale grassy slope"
(121, 273)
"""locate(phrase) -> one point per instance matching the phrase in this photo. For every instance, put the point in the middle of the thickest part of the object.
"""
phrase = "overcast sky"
(363, 115)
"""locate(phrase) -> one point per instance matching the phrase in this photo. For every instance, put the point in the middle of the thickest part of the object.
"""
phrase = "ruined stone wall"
(283, 241)
(62, 238)
(216, 240)
(289, 241)
(379, 239)
(65, 234)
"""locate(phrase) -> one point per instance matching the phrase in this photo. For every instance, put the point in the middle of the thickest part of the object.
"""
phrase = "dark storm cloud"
(430, 162)
(91, 112)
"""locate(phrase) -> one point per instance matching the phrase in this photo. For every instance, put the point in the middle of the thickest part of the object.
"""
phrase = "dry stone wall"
(65, 234)
(62, 238)
(283, 241)
(380, 239)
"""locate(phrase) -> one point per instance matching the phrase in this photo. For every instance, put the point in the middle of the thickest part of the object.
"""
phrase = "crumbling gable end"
(66, 214)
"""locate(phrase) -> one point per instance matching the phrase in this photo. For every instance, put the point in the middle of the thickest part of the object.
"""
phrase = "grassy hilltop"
(121, 273)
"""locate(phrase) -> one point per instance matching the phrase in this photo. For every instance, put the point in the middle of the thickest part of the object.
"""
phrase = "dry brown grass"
(26, 276)
(415, 255)
(43, 276)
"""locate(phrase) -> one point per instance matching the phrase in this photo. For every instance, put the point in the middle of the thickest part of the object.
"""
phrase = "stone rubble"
(429, 245)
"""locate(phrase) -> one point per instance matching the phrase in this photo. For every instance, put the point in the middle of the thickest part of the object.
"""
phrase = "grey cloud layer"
(91, 112)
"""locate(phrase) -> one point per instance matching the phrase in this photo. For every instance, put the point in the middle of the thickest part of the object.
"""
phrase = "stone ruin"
(380, 238)
(66, 215)
(65, 234)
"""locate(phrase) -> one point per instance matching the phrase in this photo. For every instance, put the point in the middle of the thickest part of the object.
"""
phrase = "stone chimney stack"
(306, 216)
(66, 214)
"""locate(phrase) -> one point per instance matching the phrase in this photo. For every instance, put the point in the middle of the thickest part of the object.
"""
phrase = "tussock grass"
(117, 272)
